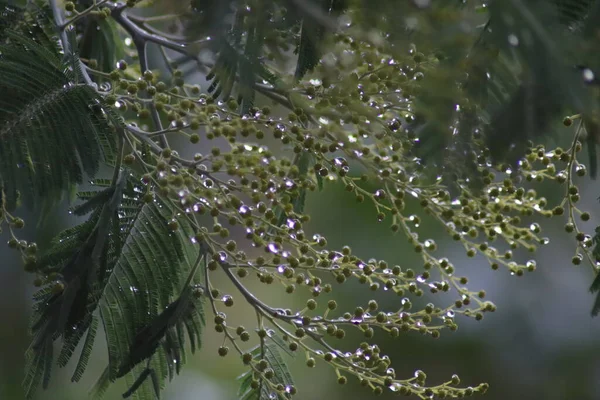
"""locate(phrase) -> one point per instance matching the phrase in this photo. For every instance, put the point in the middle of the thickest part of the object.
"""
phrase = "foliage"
(438, 109)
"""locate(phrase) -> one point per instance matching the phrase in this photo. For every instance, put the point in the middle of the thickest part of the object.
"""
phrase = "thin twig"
(139, 34)
(82, 14)
(140, 39)
(253, 300)
(141, 19)
(157, 149)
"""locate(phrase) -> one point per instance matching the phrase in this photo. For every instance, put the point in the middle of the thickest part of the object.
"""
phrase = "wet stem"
(572, 208)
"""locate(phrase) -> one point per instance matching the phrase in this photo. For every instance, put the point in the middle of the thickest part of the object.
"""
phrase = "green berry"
(247, 358)
(173, 225)
(129, 159)
(585, 216)
(223, 350)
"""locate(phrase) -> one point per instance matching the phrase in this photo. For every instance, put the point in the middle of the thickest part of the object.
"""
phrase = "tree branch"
(59, 22)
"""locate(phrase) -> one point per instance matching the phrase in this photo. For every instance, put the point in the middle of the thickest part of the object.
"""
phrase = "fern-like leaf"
(85, 351)
(312, 33)
(269, 351)
(81, 258)
(136, 306)
(165, 329)
(595, 287)
(549, 85)
(53, 128)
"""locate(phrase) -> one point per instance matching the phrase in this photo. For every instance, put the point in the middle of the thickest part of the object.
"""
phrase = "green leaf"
(138, 382)
(312, 33)
(139, 270)
(136, 305)
(53, 132)
(85, 351)
(83, 256)
(100, 41)
(548, 85)
(101, 385)
(595, 287)
(270, 353)
(573, 13)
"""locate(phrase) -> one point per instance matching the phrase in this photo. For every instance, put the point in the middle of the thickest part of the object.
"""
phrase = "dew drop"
(244, 210)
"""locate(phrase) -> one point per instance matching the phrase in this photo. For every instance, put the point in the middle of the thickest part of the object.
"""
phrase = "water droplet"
(340, 161)
(244, 210)
(580, 168)
(534, 227)
(513, 40)
(588, 75)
